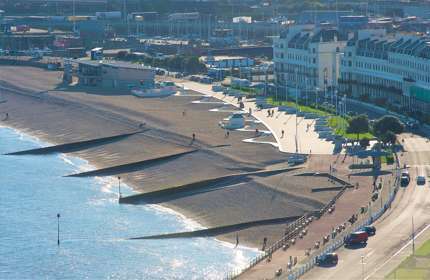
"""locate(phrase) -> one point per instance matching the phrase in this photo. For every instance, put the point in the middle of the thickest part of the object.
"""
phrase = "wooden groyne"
(220, 229)
(196, 187)
(75, 146)
(130, 167)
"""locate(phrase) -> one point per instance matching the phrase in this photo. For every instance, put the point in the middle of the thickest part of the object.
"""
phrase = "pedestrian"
(256, 132)
(183, 113)
(194, 136)
(268, 113)
(249, 111)
(282, 132)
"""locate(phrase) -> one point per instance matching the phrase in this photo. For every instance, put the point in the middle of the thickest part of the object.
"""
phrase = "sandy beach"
(39, 105)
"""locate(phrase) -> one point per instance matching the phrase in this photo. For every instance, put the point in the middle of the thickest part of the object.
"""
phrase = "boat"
(162, 89)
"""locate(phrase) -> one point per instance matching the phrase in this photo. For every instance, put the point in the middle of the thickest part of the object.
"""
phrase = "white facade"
(307, 57)
(227, 61)
(393, 69)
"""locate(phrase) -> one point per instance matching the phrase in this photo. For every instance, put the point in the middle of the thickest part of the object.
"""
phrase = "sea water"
(93, 227)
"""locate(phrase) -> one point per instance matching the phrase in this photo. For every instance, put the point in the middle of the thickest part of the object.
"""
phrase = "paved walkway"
(308, 141)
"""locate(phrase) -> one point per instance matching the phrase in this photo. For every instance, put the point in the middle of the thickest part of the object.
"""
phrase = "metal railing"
(293, 230)
(363, 220)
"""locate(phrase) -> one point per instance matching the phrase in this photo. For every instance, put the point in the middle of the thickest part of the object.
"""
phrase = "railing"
(338, 241)
(375, 210)
(293, 230)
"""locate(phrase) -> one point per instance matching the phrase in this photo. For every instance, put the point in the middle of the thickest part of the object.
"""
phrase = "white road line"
(398, 252)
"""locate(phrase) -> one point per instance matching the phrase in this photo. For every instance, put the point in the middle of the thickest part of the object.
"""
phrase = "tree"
(388, 137)
(386, 129)
(358, 125)
(388, 123)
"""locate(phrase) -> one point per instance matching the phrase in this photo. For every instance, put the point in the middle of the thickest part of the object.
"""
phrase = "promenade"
(308, 140)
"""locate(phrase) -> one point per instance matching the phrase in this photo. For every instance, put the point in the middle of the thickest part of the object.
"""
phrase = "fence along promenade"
(374, 212)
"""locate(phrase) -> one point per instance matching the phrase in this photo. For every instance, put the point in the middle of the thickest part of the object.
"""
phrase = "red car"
(358, 237)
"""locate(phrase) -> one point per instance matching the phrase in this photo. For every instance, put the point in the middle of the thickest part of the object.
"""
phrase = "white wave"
(188, 223)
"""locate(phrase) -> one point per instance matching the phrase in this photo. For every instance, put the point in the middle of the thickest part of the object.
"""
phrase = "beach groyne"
(131, 167)
(221, 229)
(74, 146)
(196, 187)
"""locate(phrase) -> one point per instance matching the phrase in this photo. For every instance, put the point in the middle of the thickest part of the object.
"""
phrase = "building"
(114, 74)
(222, 61)
(307, 57)
(392, 70)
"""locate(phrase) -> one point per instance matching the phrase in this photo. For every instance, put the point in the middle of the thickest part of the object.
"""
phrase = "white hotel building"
(307, 57)
(388, 70)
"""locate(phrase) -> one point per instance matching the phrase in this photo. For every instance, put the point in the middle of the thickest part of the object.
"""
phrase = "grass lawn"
(339, 124)
(303, 108)
(414, 267)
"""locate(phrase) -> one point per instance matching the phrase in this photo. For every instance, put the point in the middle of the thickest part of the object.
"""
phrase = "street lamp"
(119, 187)
(58, 229)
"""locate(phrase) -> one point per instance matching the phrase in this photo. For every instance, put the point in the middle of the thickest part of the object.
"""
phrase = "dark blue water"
(93, 226)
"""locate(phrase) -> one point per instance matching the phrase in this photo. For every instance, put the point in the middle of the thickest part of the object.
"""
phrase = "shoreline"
(60, 116)
(189, 223)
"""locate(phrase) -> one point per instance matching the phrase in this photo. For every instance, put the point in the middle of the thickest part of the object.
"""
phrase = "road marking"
(398, 252)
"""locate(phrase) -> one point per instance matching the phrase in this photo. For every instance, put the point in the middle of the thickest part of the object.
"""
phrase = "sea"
(94, 228)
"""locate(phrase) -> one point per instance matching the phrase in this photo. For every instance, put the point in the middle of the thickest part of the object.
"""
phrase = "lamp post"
(58, 229)
(119, 187)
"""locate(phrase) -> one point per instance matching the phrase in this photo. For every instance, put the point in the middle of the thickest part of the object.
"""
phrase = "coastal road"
(388, 247)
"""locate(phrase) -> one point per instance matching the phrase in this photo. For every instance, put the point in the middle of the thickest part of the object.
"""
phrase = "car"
(404, 181)
(371, 230)
(355, 238)
(327, 259)
(421, 180)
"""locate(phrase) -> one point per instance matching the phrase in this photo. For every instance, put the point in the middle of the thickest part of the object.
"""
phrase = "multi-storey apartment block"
(307, 57)
(388, 70)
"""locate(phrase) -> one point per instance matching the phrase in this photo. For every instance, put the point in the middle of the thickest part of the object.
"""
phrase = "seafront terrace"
(309, 141)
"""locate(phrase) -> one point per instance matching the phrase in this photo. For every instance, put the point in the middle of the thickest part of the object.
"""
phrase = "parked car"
(327, 259)
(358, 237)
(421, 180)
(371, 230)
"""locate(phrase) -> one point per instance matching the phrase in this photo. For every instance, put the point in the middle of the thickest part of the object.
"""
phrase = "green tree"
(388, 137)
(388, 123)
(358, 125)
(386, 129)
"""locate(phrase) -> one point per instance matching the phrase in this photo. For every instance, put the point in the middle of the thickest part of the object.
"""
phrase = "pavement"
(391, 244)
(307, 138)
